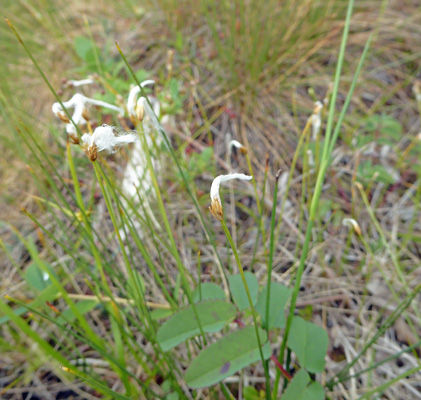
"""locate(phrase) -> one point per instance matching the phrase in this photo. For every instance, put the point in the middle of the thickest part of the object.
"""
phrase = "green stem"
(182, 174)
(262, 199)
(256, 195)
(253, 311)
(271, 249)
(327, 148)
(383, 387)
(163, 212)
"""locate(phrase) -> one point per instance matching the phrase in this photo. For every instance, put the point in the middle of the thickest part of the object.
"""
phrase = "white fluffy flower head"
(104, 139)
(216, 204)
(79, 102)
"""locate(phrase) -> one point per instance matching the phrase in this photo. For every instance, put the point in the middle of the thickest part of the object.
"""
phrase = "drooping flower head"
(80, 115)
(216, 204)
(350, 222)
(132, 100)
(237, 145)
(105, 139)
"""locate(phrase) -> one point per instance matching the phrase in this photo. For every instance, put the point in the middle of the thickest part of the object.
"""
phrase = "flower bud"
(352, 223)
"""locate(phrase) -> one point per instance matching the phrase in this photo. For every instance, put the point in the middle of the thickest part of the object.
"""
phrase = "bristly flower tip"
(216, 204)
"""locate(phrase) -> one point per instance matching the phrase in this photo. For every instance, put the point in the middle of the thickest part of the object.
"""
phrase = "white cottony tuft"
(104, 139)
(216, 205)
(132, 100)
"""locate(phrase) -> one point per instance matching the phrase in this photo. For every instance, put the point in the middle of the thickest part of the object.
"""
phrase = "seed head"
(104, 139)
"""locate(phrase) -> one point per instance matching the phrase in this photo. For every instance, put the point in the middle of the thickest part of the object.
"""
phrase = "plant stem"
(271, 248)
(324, 163)
(253, 311)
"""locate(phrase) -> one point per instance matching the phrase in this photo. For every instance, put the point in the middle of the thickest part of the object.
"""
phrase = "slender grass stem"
(271, 248)
(38, 68)
(253, 311)
(389, 322)
(168, 229)
(324, 163)
(182, 174)
(256, 195)
(256, 243)
(376, 365)
(271, 251)
(381, 388)
(303, 136)
(86, 222)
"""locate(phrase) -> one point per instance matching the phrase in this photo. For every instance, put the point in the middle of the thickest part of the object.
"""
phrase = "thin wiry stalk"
(182, 174)
(389, 322)
(253, 311)
(271, 251)
(317, 192)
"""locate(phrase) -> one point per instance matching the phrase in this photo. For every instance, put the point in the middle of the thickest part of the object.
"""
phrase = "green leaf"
(388, 129)
(85, 49)
(239, 293)
(309, 342)
(37, 278)
(251, 393)
(174, 88)
(301, 388)
(48, 294)
(160, 313)
(279, 295)
(82, 306)
(208, 291)
(367, 170)
(142, 75)
(225, 357)
(183, 325)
